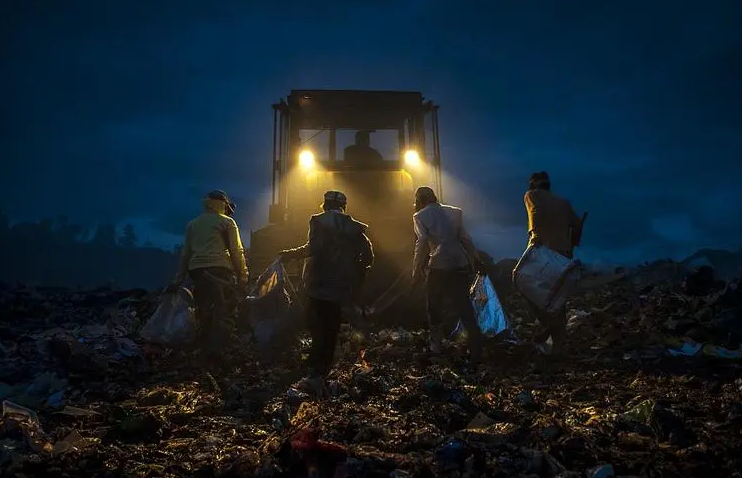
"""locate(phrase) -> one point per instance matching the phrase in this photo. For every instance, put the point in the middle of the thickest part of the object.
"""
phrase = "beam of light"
(482, 218)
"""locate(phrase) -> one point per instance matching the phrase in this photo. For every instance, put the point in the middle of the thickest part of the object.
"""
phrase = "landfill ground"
(83, 396)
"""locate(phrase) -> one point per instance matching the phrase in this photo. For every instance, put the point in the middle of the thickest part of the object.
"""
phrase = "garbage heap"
(649, 386)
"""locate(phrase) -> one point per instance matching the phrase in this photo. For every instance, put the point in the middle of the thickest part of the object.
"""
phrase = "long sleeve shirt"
(551, 220)
(442, 240)
(213, 240)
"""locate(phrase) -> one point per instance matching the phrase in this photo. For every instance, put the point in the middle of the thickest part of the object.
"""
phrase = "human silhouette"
(361, 151)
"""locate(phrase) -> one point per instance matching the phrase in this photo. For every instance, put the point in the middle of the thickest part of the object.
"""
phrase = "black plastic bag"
(269, 308)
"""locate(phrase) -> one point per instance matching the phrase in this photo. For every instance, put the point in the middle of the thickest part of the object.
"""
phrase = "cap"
(220, 195)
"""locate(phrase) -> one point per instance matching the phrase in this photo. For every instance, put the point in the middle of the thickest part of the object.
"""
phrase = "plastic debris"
(172, 324)
(641, 412)
(268, 309)
(603, 471)
(546, 278)
(391, 408)
(488, 310)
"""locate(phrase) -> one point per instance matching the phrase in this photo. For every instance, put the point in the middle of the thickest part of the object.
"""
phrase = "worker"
(551, 223)
(445, 250)
(337, 250)
(361, 151)
(214, 259)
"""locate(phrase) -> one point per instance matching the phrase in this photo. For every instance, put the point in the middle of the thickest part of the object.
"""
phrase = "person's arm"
(468, 243)
(236, 251)
(422, 249)
(534, 211)
(575, 227)
(185, 257)
(574, 220)
(311, 248)
(366, 256)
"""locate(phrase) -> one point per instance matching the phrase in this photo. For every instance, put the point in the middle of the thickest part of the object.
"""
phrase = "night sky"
(129, 111)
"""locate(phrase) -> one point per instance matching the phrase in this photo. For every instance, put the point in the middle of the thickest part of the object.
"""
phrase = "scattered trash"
(83, 395)
(603, 471)
(641, 412)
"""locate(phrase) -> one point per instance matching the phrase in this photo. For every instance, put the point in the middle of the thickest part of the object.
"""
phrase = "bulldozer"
(375, 146)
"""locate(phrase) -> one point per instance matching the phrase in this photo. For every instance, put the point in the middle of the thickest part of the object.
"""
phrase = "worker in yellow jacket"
(214, 259)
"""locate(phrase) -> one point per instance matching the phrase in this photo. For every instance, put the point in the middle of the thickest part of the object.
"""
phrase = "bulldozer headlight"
(411, 157)
(306, 159)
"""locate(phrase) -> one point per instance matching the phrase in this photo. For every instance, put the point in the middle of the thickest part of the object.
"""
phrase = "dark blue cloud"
(114, 110)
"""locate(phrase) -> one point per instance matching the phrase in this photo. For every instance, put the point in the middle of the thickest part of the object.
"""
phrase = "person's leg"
(436, 293)
(314, 327)
(330, 316)
(202, 296)
(223, 323)
(321, 319)
(558, 328)
(544, 320)
(459, 287)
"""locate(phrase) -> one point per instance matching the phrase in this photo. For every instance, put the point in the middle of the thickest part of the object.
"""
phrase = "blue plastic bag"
(488, 310)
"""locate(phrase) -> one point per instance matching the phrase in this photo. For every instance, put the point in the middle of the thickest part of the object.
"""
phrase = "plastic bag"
(174, 320)
(545, 277)
(269, 305)
(488, 310)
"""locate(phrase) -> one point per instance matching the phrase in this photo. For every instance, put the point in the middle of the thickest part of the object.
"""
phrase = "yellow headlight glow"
(306, 159)
(411, 157)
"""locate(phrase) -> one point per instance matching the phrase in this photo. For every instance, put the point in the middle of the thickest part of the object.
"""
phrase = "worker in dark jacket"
(551, 223)
(336, 252)
(445, 250)
(214, 259)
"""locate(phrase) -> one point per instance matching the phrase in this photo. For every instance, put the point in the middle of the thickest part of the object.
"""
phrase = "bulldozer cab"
(375, 146)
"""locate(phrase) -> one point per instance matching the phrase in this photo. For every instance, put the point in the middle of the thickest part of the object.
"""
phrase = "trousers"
(452, 286)
(323, 322)
(213, 292)
(554, 325)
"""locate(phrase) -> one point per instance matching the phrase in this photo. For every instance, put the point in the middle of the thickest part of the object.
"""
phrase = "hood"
(214, 205)
(341, 223)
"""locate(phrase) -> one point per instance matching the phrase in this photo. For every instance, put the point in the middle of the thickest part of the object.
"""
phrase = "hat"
(220, 195)
(336, 196)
